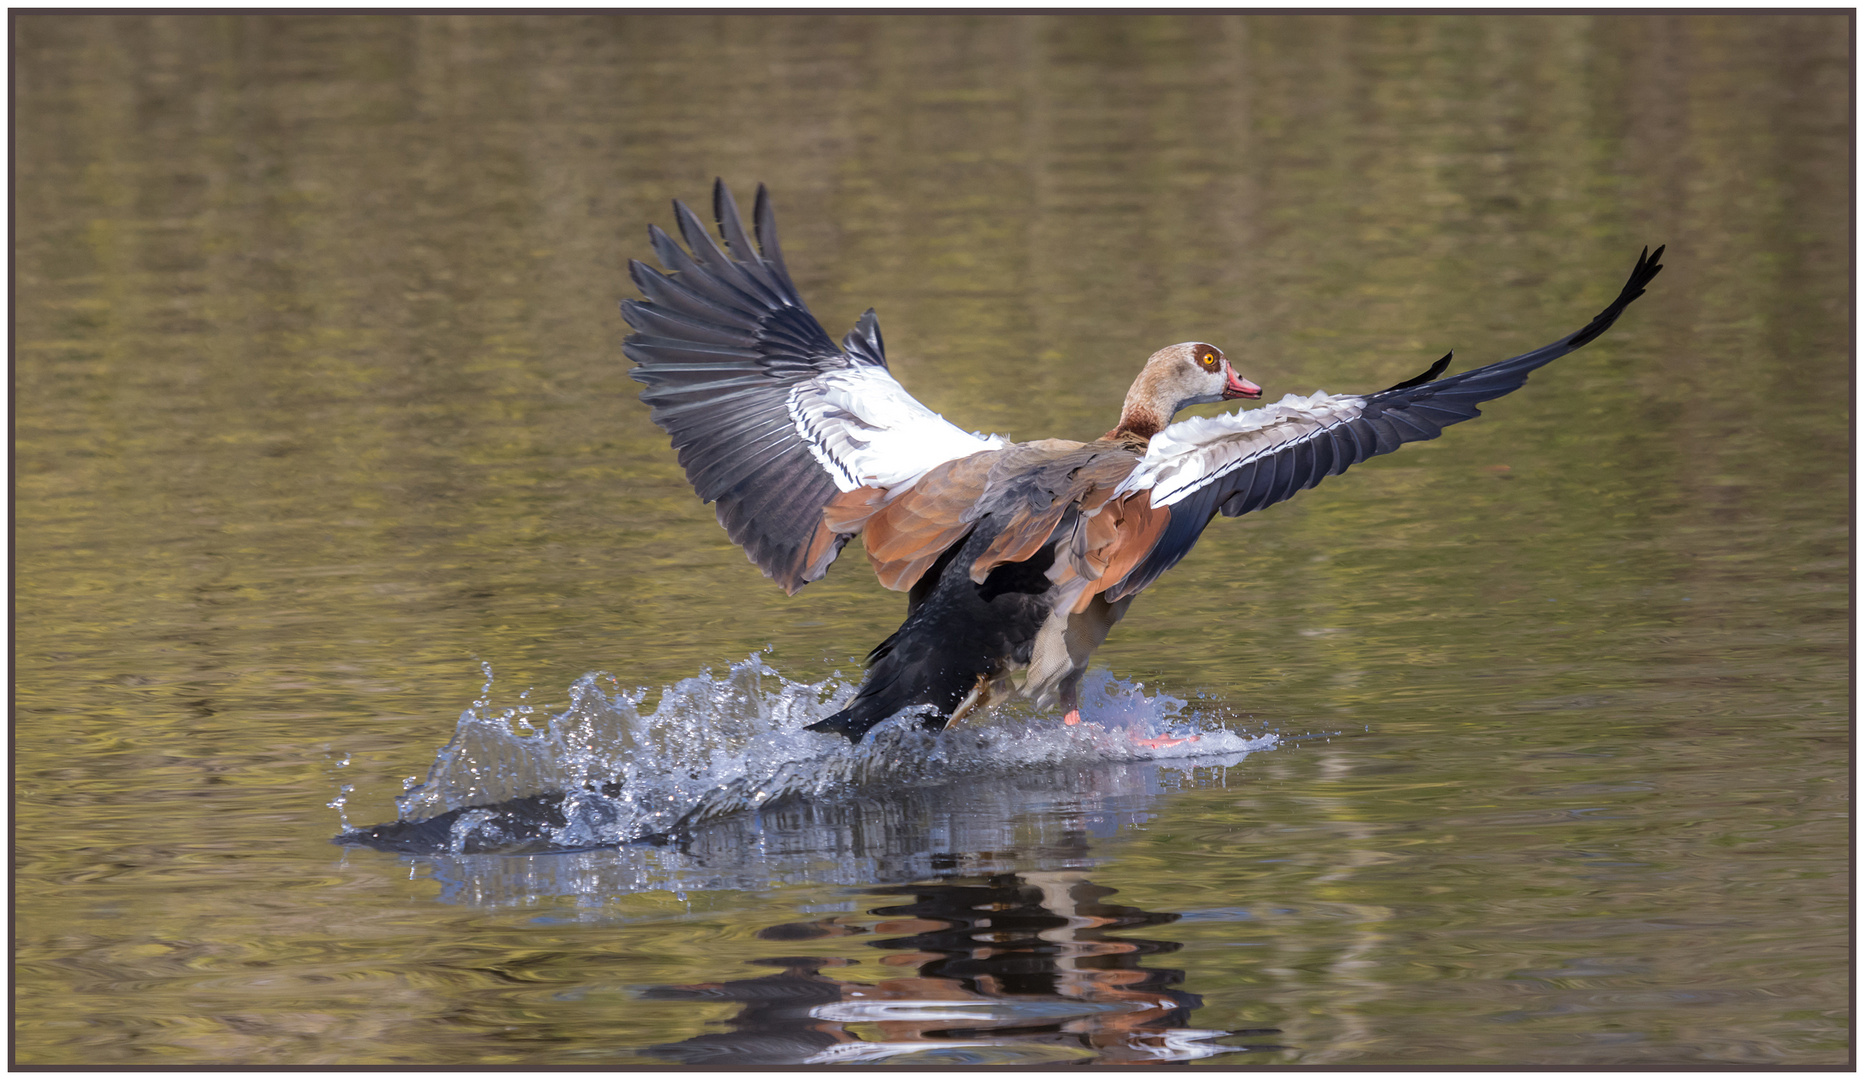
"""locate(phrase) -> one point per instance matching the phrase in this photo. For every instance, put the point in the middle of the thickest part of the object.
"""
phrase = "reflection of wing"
(770, 418)
(1247, 460)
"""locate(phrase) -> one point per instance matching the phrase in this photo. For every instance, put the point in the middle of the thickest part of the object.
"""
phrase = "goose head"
(1189, 373)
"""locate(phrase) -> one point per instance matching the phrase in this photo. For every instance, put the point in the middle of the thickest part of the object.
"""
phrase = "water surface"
(319, 405)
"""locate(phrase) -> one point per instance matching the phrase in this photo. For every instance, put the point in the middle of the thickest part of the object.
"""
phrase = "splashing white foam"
(716, 745)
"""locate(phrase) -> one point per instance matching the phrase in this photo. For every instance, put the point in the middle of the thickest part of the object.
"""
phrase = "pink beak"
(1235, 386)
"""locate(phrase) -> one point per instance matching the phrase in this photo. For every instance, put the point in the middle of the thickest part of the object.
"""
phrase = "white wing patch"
(1192, 453)
(867, 431)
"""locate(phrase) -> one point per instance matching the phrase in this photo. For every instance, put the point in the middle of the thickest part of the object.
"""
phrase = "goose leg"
(971, 700)
(1070, 688)
(1071, 696)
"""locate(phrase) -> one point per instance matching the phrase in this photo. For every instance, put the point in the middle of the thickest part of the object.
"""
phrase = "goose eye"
(1209, 360)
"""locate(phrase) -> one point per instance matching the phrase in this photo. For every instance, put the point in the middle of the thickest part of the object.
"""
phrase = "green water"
(318, 402)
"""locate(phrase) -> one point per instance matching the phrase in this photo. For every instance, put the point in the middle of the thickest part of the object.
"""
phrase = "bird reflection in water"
(1011, 969)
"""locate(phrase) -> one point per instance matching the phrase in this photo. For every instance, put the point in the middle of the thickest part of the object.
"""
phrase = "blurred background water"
(319, 403)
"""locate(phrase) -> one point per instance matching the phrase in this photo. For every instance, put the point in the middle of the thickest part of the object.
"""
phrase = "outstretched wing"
(1245, 461)
(770, 418)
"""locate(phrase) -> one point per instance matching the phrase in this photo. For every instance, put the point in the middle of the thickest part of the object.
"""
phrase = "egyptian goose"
(1016, 558)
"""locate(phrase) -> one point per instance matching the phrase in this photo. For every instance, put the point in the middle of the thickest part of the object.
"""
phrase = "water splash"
(341, 803)
(603, 773)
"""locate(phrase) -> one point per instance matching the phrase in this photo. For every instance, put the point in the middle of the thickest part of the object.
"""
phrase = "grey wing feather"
(721, 339)
(1412, 411)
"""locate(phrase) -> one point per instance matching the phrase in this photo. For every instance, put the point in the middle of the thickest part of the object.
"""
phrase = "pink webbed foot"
(1162, 741)
(1073, 717)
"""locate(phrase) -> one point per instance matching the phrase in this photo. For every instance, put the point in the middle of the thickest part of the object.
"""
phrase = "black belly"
(956, 632)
